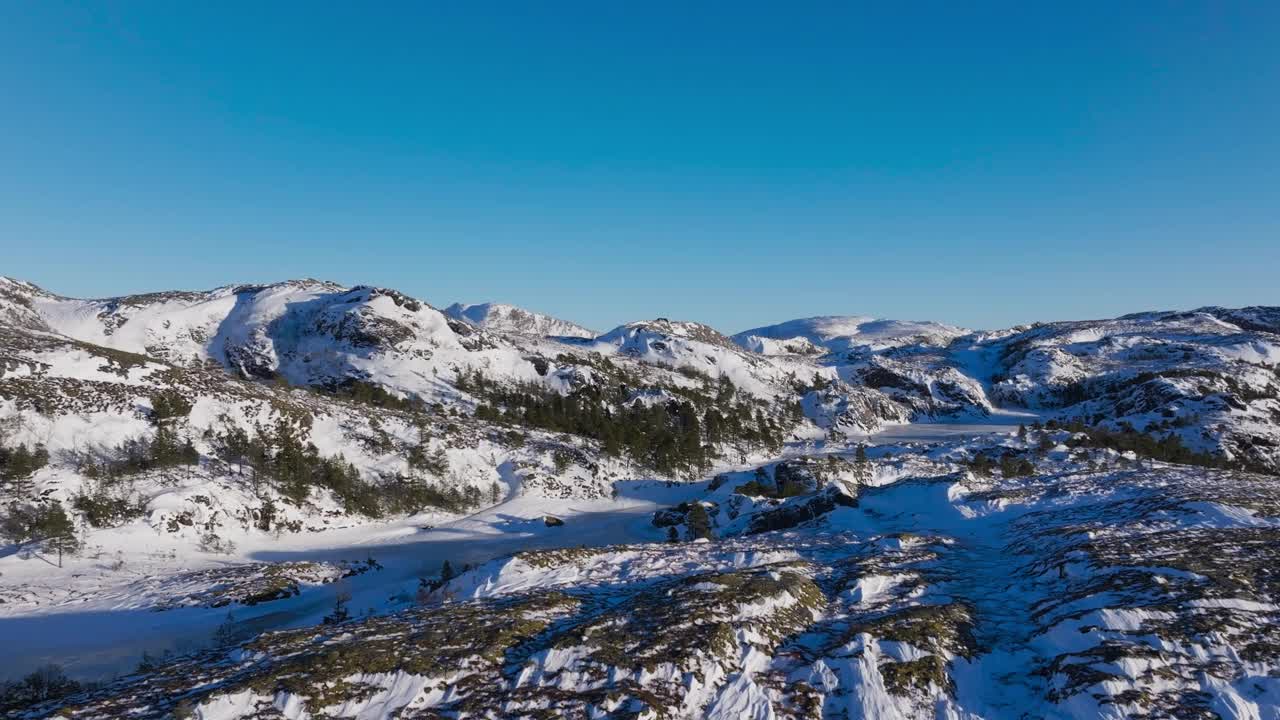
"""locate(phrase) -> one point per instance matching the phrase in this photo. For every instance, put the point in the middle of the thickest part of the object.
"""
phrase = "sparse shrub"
(150, 663)
(367, 393)
(226, 633)
(48, 682)
(982, 465)
(753, 488)
(423, 594)
(103, 508)
(340, 613)
(211, 542)
(1012, 466)
(1045, 443)
(561, 460)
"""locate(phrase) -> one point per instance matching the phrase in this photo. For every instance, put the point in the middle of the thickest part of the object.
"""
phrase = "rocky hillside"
(905, 584)
(499, 317)
(755, 544)
(1210, 377)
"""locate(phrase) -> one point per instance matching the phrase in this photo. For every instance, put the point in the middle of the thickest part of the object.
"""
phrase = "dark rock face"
(802, 509)
(881, 378)
(678, 515)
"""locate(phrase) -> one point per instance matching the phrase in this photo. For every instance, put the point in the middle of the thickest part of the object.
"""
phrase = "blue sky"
(736, 163)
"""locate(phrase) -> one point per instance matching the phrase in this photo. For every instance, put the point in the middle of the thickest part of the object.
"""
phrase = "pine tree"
(57, 531)
(22, 461)
(713, 423)
(169, 405)
(698, 521)
(437, 463)
(340, 612)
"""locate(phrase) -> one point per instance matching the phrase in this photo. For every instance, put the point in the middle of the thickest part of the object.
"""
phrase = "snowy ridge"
(307, 331)
(499, 317)
(842, 333)
(1179, 372)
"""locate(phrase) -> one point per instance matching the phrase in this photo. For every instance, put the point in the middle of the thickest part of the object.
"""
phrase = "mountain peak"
(841, 333)
(501, 317)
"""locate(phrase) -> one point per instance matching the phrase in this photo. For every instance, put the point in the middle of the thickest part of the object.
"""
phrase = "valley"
(305, 500)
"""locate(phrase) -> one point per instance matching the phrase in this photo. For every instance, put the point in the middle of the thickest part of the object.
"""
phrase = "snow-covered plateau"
(304, 500)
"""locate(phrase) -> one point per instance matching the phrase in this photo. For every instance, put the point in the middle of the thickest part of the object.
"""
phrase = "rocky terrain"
(305, 500)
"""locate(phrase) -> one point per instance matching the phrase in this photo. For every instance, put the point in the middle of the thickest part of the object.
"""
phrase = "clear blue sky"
(734, 163)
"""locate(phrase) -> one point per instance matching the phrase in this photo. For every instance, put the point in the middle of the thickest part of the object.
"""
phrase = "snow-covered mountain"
(308, 332)
(266, 450)
(1197, 374)
(498, 317)
(1207, 375)
(843, 333)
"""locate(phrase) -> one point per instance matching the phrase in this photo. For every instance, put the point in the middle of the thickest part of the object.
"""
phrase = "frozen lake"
(98, 636)
(927, 432)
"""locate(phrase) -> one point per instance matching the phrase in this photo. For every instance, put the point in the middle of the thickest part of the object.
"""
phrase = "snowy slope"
(842, 333)
(1197, 374)
(499, 317)
(694, 347)
(307, 332)
(1097, 587)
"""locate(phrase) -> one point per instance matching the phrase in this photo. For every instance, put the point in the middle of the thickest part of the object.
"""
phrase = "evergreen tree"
(713, 423)
(169, 405)
(698, 522)
(22, 461)
(46, 522)
(437, 463)
(59, 532)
